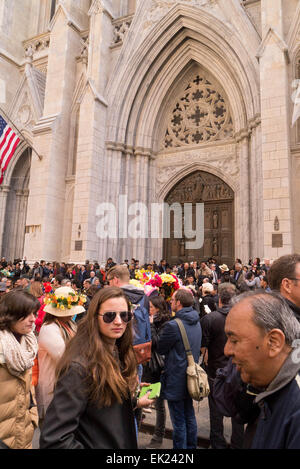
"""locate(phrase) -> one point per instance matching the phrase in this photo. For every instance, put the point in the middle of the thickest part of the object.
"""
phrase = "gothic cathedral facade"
(159, 102)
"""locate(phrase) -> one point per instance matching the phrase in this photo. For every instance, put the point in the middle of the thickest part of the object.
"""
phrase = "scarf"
(19, 357)
(68, 329)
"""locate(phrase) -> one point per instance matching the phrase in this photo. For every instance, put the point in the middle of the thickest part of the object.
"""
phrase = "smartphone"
(154, 388)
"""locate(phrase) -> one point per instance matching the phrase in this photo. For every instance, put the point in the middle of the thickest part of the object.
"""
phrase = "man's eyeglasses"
(110, 316)
(293, 278)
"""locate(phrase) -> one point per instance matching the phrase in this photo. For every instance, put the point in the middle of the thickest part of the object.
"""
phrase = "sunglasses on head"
(110, 316)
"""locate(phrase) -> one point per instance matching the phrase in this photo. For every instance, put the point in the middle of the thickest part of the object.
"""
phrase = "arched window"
(53, 7)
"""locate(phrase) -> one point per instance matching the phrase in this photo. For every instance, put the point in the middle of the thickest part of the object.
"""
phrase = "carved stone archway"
(14, 200)
(218, 199)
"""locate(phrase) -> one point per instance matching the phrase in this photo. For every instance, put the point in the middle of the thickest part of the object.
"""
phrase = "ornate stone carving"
(96, 8)
(37, 44)
(201, 114)
(201, 187)
(160, 8)
(84, 53)
(24, 117)
(121, 26)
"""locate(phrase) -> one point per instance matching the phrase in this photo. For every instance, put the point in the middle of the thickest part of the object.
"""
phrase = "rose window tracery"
(200, 115)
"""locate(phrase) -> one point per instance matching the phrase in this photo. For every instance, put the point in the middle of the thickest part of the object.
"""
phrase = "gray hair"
(271, 311)
(226, 292)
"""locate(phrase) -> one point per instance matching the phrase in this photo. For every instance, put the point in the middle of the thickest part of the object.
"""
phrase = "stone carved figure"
(215, 220)
(215, 247)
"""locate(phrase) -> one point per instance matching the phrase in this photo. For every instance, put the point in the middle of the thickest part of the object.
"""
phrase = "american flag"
(8, 144)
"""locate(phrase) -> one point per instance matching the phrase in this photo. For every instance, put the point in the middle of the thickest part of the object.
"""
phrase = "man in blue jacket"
(263, 340)
(173, 379)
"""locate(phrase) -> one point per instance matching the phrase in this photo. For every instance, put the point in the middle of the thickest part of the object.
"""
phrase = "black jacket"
(170, 344)
(210, 302)
(278, 426)
(150, 374)
(73, 422)
(294, 308)
(214, 339)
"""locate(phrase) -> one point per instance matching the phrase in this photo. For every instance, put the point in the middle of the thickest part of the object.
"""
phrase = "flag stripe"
(7, 146)
(9, 141)
(10, 153)
(4, 136)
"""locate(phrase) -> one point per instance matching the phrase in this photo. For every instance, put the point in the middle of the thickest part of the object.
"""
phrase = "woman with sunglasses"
(94, 398)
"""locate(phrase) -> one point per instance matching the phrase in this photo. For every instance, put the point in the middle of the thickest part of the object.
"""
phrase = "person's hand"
(145, 401)
(142, 385)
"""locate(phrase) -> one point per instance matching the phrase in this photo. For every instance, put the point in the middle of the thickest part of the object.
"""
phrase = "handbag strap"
(186, 343)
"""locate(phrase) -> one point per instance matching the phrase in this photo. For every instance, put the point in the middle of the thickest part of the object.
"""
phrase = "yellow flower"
(136, 283)
(62, 307)
(167, 278)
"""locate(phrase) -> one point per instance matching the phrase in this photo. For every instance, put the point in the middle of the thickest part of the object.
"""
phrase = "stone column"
(143, 177)
(255, 189)
(5, 190)
(22, 221)
(126, 246)
(17, 223)
(275, 132)
(51, 139)
(94, 161)
(244, 227)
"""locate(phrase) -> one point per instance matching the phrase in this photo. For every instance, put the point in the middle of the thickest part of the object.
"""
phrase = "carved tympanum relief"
(200, 187)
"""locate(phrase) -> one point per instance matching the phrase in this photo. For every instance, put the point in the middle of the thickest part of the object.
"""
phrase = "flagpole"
(24, 138)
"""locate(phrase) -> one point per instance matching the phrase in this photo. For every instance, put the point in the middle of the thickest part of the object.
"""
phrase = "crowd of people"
(68, 362)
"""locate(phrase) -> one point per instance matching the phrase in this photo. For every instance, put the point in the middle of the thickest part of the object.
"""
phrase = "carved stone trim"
(121, 27)
(36, 45)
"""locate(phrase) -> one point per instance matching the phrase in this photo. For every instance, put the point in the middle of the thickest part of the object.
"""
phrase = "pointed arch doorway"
(218, 199)
(16, 208)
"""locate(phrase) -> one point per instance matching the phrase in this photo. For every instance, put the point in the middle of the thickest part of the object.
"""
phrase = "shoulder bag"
(197, 381)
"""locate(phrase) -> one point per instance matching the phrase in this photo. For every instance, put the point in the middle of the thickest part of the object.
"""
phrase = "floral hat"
(166, 284)
(64, 302)
(143, 275)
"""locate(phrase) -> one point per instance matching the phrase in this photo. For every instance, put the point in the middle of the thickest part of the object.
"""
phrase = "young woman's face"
(152, 309)
(115, 329)
(24, 326)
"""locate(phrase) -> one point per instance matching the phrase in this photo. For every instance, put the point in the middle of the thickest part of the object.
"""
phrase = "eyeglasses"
(293, 278)
(110, 316)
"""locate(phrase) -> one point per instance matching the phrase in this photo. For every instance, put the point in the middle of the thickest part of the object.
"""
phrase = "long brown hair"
(109, 378)
(36, 289)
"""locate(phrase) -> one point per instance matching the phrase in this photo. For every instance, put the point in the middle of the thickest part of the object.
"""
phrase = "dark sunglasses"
(110, 316)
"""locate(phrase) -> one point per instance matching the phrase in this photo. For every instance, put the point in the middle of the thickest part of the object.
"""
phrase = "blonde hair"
(36, 289)
(119, 271)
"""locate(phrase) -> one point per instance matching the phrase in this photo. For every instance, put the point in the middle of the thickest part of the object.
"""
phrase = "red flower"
(156, 281)
(47, 287)
(176, 285)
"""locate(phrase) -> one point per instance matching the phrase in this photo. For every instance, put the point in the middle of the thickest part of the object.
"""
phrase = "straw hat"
(64, 302)
(207, 287)
(224, 267)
